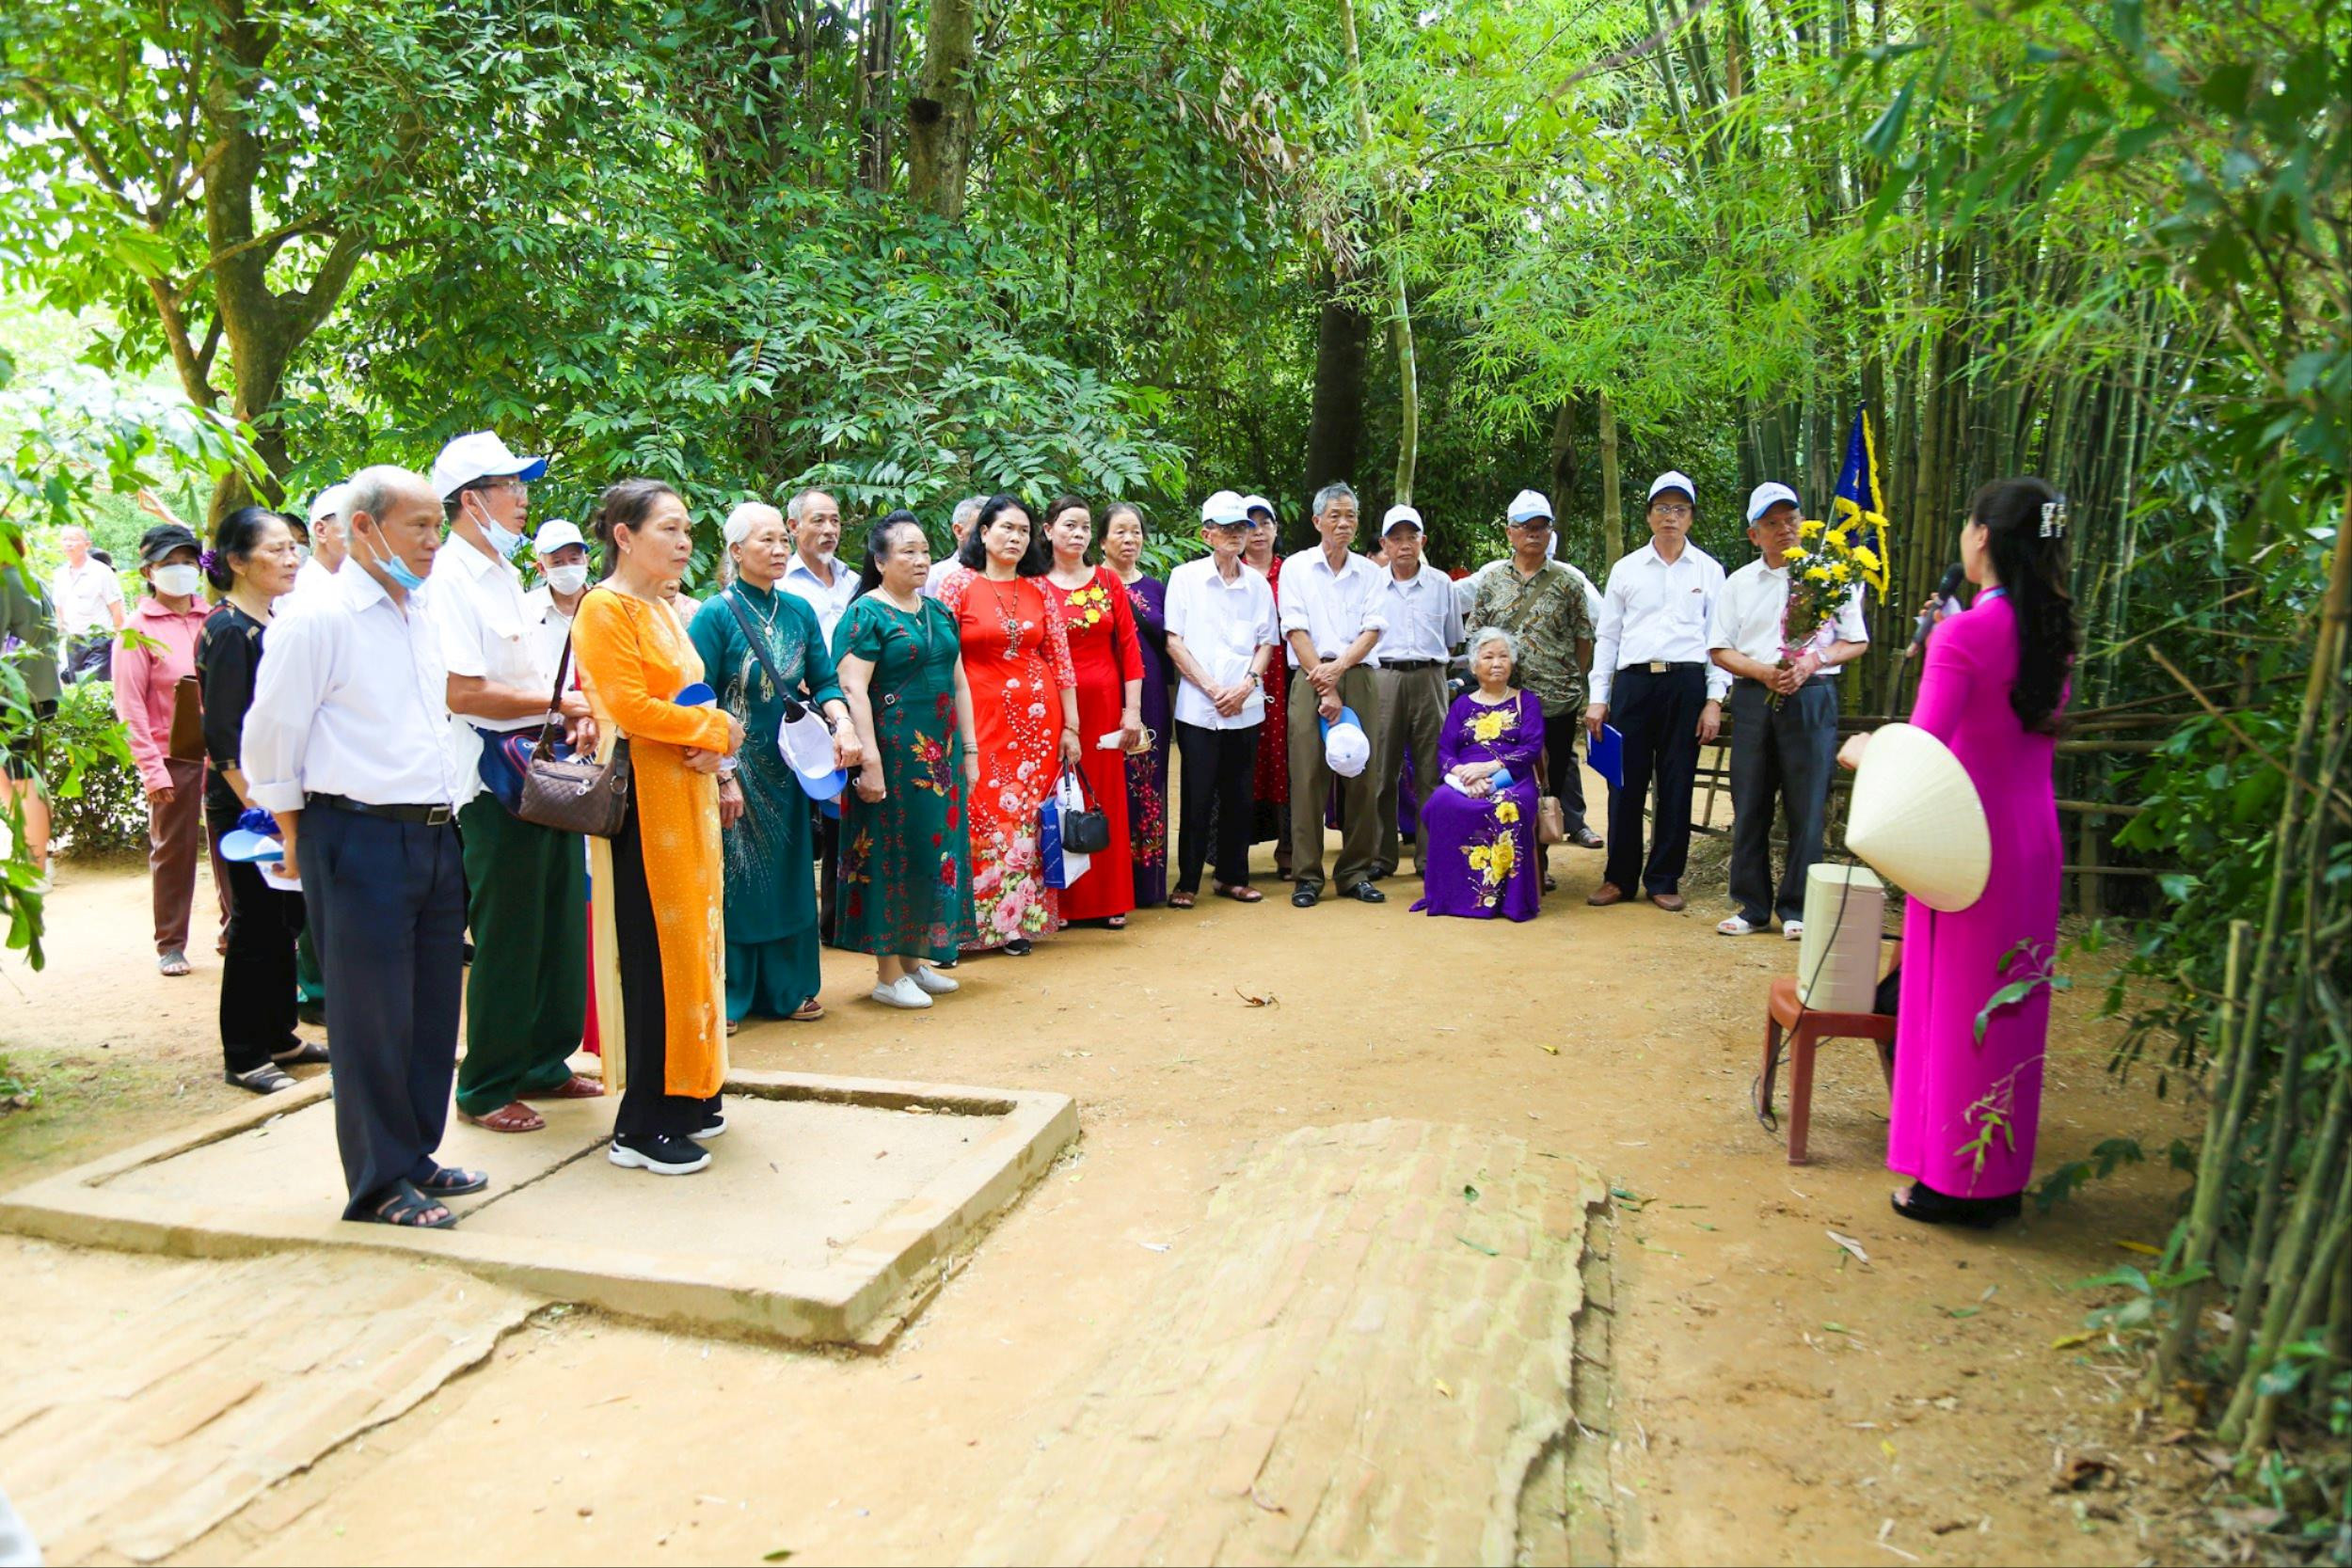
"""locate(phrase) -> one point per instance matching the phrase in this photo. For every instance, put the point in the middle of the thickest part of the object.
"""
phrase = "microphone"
(1953, 576)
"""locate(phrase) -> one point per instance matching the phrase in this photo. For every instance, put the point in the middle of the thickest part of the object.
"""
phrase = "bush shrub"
(99, 805)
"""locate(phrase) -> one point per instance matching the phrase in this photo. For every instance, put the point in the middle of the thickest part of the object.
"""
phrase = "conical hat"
(1916, 819)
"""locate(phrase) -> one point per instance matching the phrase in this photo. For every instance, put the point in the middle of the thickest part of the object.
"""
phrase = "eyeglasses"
(1669, 509)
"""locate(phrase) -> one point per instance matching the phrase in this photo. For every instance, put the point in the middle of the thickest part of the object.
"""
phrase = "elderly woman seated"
(1478, 826)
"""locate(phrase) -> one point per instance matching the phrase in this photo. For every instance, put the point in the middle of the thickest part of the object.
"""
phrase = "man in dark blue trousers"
(349, 744)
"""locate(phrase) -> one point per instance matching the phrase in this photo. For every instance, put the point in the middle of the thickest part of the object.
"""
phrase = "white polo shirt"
(488, 630)
(1748, 615)
(1424, 617)
(1655, 609)
(1223, 624)
(1333, 609)
(831, 601)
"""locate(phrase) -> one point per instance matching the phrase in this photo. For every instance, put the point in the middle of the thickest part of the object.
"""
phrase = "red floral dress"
(1104, 654)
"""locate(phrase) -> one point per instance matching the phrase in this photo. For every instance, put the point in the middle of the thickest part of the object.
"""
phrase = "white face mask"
(569, 579)
(179, 580)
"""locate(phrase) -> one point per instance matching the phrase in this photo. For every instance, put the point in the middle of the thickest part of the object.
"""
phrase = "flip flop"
(309, 1054)
(453, 1181)
(269, 1078)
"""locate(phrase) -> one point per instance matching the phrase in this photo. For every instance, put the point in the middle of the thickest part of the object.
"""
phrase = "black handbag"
(574, 794)
(1087, 832)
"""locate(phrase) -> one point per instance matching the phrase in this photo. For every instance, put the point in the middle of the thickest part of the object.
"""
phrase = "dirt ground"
(1775, 1398)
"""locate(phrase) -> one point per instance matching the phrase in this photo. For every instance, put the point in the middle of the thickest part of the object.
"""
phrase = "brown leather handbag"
(187, 720)
(1551, 820)
(574, 794)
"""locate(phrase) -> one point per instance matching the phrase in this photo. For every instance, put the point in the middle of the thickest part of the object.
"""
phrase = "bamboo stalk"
(2232, 1083)
(2288, 1283)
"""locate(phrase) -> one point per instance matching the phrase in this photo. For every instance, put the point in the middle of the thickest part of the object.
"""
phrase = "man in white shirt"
(526, 895)
(561, 555)
(1221, 632)
(329, 544)
(1408, 678)
(815, 573)
(1783, 717)
(88, 598)
(1332, 619)
(348, 743)
(967, 513)
(1653, 680)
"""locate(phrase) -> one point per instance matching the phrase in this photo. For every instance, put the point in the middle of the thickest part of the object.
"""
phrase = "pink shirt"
(145, 678)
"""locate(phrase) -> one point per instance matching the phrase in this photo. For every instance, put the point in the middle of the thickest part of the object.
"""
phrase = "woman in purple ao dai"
(1478, 853)
(1966, 1110)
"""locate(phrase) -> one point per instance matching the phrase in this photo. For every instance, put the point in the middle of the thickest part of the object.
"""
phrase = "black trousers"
(1659, 717)
(648, 1110)
(257, 977)
(387, 915)
(826, 841)
(1779, 758)
(1567, 779)
(1218, 777)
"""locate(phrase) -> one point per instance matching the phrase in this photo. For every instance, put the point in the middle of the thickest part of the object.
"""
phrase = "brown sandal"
(807, 1012)
(1241, 892)
(1180, 900)
(577, 1088)
(513, 1117)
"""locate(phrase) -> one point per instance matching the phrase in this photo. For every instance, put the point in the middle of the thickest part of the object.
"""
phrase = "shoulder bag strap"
(793, 707)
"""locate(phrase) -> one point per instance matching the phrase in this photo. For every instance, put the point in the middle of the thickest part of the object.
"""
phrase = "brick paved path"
(1364, 1353)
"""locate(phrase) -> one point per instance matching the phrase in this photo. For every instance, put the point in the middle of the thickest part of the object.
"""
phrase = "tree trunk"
(1335, 426)
(1561, 466)
(1400, 308)
(876, 77)
(942, 114)
(1611, 504)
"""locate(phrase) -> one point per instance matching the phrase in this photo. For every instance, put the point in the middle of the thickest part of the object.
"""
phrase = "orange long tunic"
(634, 658)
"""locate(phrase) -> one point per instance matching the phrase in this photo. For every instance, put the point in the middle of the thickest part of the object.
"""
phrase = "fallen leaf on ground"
(2141, 1247)
(1443, 1389)
(1851, 1245)
(1477, 1247)
(2084, 1470)
(1268, 1000)
(1552, 1050)
(2068, 1341)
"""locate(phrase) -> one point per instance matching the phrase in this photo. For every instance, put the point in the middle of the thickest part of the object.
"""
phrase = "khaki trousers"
(1412, 715)
(1310, 786)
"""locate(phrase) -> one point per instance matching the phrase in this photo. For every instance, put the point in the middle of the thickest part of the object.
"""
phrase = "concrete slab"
(827, 1209)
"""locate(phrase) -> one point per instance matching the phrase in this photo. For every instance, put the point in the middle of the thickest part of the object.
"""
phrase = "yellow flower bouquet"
(1820, 579)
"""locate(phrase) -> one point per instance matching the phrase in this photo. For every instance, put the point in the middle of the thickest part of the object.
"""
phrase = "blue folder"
(1606, 755)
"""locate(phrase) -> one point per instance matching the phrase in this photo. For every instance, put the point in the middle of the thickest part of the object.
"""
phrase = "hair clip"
(209, 558)
(2054, 519)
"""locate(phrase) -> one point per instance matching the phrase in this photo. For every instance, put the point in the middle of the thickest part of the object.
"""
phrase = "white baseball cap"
(1527, 505)
(1259, 504)
(330, 503)
(1674, 479)
(1345, 747)
(480, 455)
(554, 534)
(1225, 507)
(1769, 495)
(1401, 514)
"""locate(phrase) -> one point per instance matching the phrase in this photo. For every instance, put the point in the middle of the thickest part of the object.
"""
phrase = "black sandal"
(402, 1204)
(269, 1078)
(309, 1054)
(454, 1182)
(1926, 1206)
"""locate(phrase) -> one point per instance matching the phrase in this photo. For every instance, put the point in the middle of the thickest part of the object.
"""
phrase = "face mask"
(398, 570)
(180, 582)
(568, 580)
(502, 540)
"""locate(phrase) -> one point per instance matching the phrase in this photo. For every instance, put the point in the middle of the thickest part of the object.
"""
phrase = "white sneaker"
(933, 981)
(902, 992)
(1792, 929)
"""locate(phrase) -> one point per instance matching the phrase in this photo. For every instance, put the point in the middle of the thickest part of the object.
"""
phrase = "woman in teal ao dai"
(771, 901)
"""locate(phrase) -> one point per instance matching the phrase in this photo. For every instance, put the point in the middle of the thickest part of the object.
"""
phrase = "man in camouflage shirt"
(1541, 604)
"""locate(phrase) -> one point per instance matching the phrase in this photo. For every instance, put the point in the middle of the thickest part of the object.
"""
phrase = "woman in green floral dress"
(770, 903)
(906, 858)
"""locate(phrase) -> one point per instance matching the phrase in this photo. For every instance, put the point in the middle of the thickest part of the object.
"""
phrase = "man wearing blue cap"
(526, 885)
(1653, 679)
(1784, 730)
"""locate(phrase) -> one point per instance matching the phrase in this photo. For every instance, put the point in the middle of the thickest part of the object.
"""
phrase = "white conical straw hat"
(1916, 819)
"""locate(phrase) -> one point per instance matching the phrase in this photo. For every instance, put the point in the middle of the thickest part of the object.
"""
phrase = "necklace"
(1010, 612)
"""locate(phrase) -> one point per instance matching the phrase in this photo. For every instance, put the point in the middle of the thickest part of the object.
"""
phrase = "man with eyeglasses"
(526, 885)
(1542, 604)
(1653, 678)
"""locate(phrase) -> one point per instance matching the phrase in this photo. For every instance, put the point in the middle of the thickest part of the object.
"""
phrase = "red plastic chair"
(1804, 1029)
